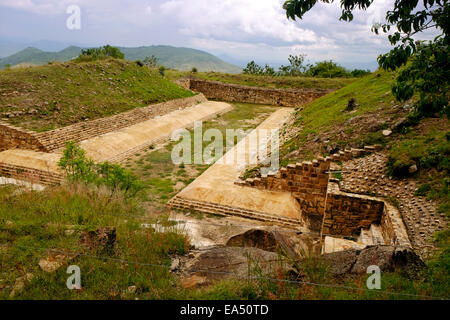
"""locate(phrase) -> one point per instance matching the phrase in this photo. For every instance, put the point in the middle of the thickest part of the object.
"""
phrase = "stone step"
(377, 235)
(366, 237)
(226, 210)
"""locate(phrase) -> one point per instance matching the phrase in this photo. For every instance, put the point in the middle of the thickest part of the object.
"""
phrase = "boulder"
(290, 243)
(388, 258)
(218, 263)
(54, 261)
(256, 238)
(20, 283)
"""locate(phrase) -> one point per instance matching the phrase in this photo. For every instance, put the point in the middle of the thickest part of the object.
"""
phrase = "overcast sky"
(241, 30)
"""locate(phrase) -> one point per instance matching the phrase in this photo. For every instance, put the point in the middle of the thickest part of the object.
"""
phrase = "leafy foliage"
(427, 63)
(81, 169)
(100, 53)
(297, 68)
(151, 61)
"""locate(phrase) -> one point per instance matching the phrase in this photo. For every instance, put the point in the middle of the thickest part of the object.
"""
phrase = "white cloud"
(225, 19)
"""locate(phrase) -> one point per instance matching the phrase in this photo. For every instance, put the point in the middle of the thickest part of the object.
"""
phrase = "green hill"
(171, 57)
(46, 97)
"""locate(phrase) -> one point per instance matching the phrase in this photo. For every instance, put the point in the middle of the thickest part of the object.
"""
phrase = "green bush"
(327, 69)
(162, 70)
(104, 52)
(79, 168)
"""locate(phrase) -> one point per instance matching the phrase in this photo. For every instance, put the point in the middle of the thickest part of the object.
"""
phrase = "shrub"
(79, 168)
(104, 52)
(151, 61)
(327, 69)
(162, 70)
(194, 70)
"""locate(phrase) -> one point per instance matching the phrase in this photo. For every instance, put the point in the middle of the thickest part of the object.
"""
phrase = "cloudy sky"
(237, 30)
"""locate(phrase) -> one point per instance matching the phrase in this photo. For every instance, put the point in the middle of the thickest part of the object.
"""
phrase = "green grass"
(266, 81)
(326, 116)
(33, 223)
(65, 93)
(428, 147)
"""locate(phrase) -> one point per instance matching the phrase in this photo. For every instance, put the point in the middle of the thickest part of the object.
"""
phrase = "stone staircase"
(218, 209)
(371, 236)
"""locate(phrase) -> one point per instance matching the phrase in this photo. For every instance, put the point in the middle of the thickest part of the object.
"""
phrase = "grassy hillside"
(324, 124)
(171, 57)
(181, 58)
(39, 57)
(50, 96)
(266, 81)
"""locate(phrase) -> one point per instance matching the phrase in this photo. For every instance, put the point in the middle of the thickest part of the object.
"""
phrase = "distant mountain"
(172, 57)
(36, 56)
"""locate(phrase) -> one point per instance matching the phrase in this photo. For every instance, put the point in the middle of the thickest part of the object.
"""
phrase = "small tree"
(426, 64)
(162, 70)
(151, 61)
(253, 68)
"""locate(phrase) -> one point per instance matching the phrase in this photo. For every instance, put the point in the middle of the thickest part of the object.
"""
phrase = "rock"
(387, 133)
(412, 169)
(193, 281)
(9, 224)
(131, 289)
(341, 262)
(206, 266)
(388, 258)
(55, 261)
(293, 245)
(102, 239)
(20, 284)
(175, 264)
(69, 232)
(400, 124)
(256, 238)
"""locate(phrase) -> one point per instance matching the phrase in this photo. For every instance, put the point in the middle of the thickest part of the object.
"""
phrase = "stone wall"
(17, 138)
(52, 140)
(56, 139)
(346, 214)
(393, 228)
(237, 93)
(308, 182)
(30, 174)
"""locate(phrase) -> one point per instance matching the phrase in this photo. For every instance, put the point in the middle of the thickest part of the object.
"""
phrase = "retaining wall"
(18, 138)
(215, 90)
(30, 174)
(11, 137)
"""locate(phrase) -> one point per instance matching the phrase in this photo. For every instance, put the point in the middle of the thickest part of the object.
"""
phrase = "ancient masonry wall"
(308, 183)
(29, 174)
(346, 214)
(14, 137)
(11, 137)
(237, 93)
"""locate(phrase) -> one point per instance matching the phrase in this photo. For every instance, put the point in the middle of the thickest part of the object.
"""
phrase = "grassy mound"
(326, 123)
(46, 97)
